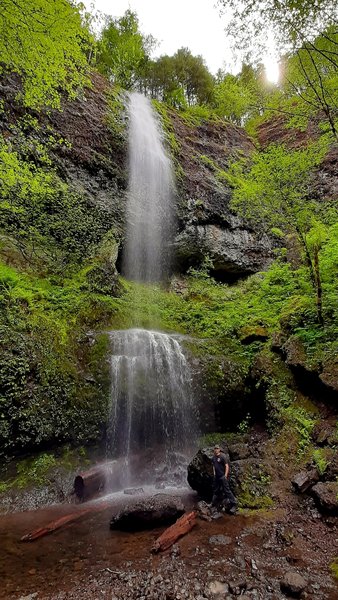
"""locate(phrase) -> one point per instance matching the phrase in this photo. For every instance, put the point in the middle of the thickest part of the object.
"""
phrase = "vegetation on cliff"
(60, 230)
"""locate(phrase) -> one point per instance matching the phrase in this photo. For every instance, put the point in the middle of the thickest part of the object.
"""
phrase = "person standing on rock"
(221, 488)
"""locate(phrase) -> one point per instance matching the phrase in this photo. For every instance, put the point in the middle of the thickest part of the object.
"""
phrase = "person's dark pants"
(222, 492)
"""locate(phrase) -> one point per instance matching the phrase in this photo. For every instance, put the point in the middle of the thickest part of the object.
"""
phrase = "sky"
(195, 24)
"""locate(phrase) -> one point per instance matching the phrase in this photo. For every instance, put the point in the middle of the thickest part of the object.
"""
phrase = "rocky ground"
(273, 554)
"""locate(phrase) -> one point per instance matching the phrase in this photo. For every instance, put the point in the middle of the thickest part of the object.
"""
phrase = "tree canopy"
(123, 50)
(47, 43)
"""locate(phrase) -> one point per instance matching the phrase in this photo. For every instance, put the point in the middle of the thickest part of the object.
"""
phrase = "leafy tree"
(123, 50)
(289, 22)
(180, 80)
(46, 43)
(311, 81)
(276, 192)
(240, 97)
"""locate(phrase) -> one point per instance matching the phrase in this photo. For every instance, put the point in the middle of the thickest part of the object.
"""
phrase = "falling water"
(151, 402)
(149, 205)
(151, 413)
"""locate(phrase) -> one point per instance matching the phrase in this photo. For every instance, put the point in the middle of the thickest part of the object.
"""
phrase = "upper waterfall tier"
(149, 204)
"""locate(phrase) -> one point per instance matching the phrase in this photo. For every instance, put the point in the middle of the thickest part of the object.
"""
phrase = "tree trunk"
(182, 526)
(62, 522)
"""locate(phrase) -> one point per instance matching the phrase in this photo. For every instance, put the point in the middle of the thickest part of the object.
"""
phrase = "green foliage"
(46, 221)
(239, 98)
(44, 396)
(254, 24)
(276, 184)
(46, 43)
(181, 80)
(244, 425)
(300, 421)
(123, 50)
(319, 458)
(334, 568)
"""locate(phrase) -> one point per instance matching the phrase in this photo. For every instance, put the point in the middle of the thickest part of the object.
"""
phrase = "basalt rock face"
(207, 226)
(90, 142)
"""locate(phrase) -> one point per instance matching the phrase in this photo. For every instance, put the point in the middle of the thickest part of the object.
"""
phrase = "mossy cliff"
(62, 230)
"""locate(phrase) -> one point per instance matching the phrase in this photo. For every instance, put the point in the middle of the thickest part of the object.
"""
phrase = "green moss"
(116, 116)
(39, 470)
(334, 568)
(174, 146)
(253, 492)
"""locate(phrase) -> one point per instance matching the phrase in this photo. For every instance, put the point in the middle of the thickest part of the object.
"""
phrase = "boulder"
(293, 584)
(160, 509)
(331, 473)
(304, 480)
(326, 496)
(200, 473)
(324, 433)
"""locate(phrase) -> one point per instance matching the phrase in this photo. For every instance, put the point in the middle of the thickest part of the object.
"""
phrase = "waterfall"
(151, 402)
(151, 422)
(146, 255)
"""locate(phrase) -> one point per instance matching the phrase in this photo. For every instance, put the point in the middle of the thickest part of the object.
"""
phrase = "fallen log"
(182, 526)
(95, 480)
(62, 522)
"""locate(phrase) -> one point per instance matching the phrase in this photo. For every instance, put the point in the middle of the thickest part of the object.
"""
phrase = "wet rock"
(325, 494)
(331, 473)
(175, 551)
(293, 584)
(222, 540)
(133, 491)
(200, 473)
(304, 480)
(160, 509)
(160, 485)
(277, 341)
(216, 516)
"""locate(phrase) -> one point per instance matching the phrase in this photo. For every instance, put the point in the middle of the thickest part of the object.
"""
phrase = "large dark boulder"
(148, 513)
(200, 473)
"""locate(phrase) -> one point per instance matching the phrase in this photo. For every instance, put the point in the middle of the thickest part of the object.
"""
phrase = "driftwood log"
(95, 480)
(182, 526)
(62, 522)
